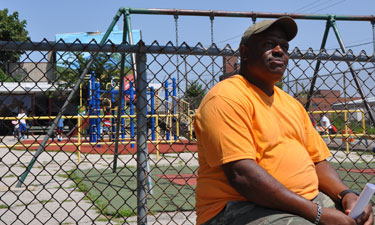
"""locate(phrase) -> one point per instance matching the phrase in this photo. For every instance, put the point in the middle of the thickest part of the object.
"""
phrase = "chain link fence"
(108, 135)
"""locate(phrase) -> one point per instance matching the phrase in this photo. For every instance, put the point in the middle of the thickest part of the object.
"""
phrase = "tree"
(11, 29)
(194, 94)
(105, 66)
(279, 84)
(6, 78)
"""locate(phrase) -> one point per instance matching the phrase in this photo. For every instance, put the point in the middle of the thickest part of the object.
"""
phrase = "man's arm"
(259, 187)
(331, 184)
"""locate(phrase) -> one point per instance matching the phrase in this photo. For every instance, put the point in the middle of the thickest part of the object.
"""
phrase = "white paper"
(363, 200)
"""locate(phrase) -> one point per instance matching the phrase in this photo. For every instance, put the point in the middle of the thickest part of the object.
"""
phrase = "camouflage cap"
(286, 22)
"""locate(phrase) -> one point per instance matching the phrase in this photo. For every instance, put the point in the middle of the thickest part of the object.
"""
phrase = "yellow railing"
(169, 118)
(347, 135)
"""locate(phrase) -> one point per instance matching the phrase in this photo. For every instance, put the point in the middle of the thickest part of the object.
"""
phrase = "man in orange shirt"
(260, 159)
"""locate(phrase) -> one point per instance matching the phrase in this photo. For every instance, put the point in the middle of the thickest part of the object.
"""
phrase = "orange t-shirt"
(236, 120)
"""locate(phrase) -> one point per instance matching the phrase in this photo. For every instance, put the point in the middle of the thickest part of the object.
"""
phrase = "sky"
(46, 18)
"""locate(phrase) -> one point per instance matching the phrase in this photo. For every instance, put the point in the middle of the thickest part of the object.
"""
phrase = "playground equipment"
(129, 92)
(95, 108)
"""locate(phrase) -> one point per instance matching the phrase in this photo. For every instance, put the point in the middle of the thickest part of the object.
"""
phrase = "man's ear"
(243, 53)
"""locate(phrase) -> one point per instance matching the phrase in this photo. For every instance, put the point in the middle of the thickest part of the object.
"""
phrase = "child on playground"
(16, 131)
(60, 128)
(22, 123)
(106, 122)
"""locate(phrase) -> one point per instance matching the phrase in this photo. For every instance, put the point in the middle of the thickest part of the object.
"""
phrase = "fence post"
(142, 150)
(121, 100)
(346, 132)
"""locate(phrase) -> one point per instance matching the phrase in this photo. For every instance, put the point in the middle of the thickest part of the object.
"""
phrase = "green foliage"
(105, 66)
(337, 119)
(279, 84)
(194, 94)
(11, 29)
(5, 78)
(370, 130)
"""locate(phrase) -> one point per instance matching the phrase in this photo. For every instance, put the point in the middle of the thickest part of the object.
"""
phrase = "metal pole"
(142, 150)
(354, 74)
(186, 75)
(316, 70)
(120, 98)
(63, 108)
(129, 28)
(174, 105)
(132, 132)
(167, 107)
(212, 17)
(186, 12)
(177, 61)
(152, 96)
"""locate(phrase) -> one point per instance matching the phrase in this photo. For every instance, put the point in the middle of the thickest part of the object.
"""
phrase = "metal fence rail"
(131, 158)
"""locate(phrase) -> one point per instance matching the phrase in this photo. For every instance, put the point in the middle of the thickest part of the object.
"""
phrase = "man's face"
(267, 55)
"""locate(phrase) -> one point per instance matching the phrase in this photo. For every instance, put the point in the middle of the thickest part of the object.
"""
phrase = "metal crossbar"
(198, 50)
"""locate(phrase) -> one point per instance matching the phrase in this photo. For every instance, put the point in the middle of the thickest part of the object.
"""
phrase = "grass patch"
(10, 175)
(169, 156)
(102, 219)
(4, 206)
(360, 153)
(115, 194)
(45, 201)
(63, 175)
(22, 166)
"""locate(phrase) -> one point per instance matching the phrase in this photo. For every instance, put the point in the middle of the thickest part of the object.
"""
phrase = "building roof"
(357, 101)
(25, 87)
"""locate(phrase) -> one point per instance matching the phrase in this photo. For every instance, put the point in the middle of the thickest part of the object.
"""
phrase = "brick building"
(231, 66)
(323, 100)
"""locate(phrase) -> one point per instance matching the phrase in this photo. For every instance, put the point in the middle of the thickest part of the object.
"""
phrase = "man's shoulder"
(234, 88)
(233, 85)
(231, 89)
(286, 98)
(285, 95)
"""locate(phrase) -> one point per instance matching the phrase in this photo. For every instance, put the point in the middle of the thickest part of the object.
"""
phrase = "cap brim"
(287, 23)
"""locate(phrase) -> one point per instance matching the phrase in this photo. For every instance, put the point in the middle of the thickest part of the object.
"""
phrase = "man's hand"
(335, 217)
(366, 218)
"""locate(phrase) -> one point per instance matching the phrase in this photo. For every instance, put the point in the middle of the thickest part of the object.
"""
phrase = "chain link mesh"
(88, 172)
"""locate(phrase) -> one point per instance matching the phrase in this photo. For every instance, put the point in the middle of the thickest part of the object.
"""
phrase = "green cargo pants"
(241, 213)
